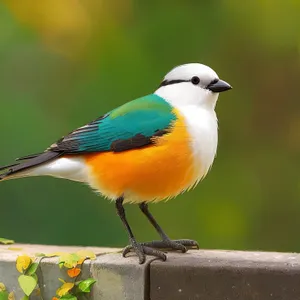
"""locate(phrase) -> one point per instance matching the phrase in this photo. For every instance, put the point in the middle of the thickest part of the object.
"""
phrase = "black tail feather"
(30, 161)
(28, 156)
(8, 166)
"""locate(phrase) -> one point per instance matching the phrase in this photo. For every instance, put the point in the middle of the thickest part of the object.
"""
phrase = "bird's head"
(192, 84)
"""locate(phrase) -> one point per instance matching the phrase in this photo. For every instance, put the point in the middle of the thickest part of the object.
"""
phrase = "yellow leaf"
(64, 289)
(86, 254)
(74, 272)
(81, 260)
(23, 262)
(11, 296)
(61, 280)
(55, 254)
(69, 260)
(2, 287)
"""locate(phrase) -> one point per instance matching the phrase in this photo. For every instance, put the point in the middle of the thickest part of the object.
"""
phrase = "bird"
(147, 150)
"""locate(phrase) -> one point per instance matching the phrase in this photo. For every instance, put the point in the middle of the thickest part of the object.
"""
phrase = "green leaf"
(6, 241)
(27, 284)
(25, 298)
(69, 297)
(4, 295)
(32, 269)
(34, 276)
(85, 285)
(61, 264)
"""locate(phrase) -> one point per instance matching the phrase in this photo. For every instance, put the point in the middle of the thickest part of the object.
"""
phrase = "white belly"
(72, 168)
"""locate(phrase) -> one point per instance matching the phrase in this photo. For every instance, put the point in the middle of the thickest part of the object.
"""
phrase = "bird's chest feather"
(203, 129)
(165, 169)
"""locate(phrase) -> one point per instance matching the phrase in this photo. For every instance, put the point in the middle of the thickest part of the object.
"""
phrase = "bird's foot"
(175, 245)
(142, 250)
(150, 248)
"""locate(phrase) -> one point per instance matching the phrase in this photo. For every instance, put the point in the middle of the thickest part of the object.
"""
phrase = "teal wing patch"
(129, 126)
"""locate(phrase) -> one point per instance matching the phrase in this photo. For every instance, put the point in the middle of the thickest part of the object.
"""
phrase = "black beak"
(219, 86)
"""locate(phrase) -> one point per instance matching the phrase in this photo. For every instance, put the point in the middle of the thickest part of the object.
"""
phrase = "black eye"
(195, 80)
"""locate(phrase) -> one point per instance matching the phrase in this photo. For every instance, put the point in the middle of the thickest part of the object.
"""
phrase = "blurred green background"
(64, 63)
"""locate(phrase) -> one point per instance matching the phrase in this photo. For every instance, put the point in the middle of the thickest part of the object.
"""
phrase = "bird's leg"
(166, 242)
(138, 248)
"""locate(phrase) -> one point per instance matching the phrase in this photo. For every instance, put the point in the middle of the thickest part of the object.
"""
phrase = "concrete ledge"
(203, 274)
(220, 275)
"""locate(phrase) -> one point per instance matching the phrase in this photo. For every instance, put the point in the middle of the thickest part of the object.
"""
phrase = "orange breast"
(151, 173)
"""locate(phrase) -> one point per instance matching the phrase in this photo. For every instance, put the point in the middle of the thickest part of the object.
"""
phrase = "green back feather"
(133, 123)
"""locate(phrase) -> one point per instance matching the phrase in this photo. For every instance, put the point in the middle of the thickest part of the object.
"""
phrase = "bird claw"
(141, 251)
(150, 248)
(175, 245)
(189, 244)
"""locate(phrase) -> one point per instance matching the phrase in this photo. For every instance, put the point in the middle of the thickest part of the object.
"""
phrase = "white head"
(192, 84)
